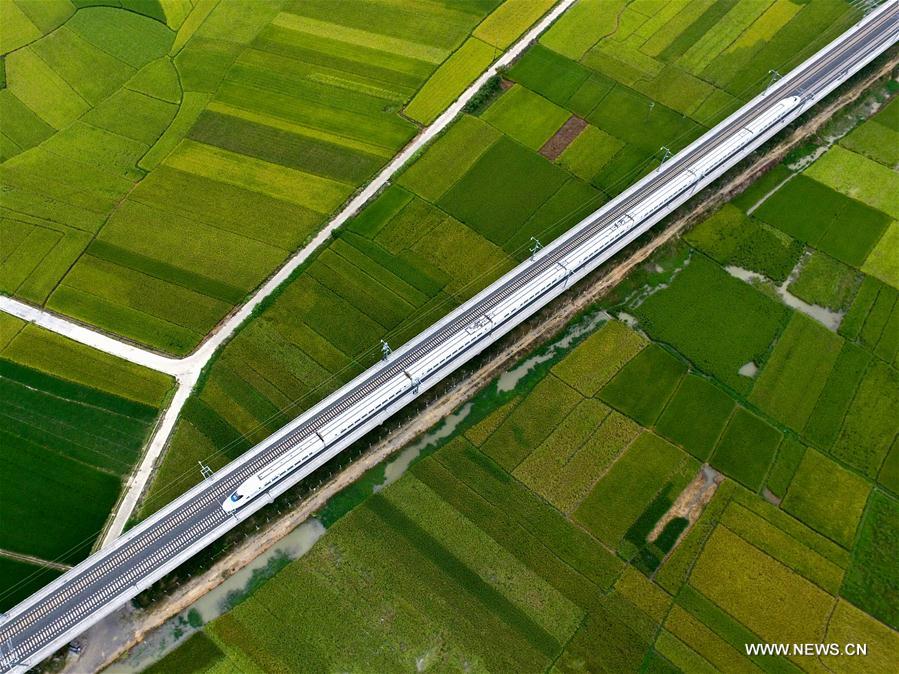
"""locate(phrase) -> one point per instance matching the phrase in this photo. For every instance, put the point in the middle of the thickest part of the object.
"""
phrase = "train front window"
(235, 497)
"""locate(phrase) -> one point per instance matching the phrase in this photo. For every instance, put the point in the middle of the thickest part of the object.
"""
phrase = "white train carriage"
(275, 471)
(379, 400)
(458, 343)
(354, 416)
(764, 121)
(514, 302)
(313, 445)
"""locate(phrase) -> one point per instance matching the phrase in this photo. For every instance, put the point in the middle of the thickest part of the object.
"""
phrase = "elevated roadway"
(109, 578)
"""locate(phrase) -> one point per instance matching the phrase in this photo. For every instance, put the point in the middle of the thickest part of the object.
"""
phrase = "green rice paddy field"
(540, 535)
(463, 213)
(161, 158)
(74, 422)
(203, 153)
(533, 539)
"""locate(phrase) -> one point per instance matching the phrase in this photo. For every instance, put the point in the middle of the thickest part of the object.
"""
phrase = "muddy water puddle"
(217, 601)
(509, 379)
(395, 469)
(826, 317)
(178, 629)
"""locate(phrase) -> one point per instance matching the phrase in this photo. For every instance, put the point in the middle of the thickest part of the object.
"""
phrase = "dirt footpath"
(512, 348)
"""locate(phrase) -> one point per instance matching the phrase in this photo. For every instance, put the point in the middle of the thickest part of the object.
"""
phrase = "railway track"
(109, 578)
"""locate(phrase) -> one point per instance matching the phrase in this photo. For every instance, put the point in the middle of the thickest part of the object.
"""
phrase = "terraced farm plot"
(503, 188)
(859, 178)
(641, 389)
(71, 436)
(827, 497)
(796, 371)
(746, 449)
(816, 214)
(695, 416)
(740, 323)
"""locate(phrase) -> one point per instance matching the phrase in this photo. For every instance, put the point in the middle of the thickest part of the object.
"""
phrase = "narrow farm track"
(187, 369)
(108, 579)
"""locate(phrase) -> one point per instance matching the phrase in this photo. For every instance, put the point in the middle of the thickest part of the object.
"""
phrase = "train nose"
(231, 503)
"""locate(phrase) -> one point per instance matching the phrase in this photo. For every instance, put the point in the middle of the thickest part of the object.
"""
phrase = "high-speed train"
(305, 452)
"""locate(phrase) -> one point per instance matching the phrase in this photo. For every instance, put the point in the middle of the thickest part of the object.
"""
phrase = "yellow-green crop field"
(74, 422)
(553, 529)
(161, 158)
(537, 535)
(153, 181)
(462, 214)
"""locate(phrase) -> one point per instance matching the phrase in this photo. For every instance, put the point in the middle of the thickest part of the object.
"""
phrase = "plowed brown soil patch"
(563, 137)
